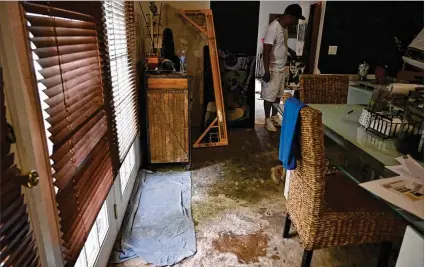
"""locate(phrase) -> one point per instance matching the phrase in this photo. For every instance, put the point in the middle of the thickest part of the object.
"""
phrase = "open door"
(27, 34)
(18, 246)
(27, 154)
(312, 35)
(24, 102)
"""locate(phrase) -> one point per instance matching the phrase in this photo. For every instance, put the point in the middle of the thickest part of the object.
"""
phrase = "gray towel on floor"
(159, 227)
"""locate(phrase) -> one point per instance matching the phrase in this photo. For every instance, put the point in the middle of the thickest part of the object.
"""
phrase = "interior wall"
(365, 31)
(267, 8)
(187, 38)
(305, 6)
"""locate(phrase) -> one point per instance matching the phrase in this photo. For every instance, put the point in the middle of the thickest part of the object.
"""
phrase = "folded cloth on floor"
(159, 228)
(289, 147)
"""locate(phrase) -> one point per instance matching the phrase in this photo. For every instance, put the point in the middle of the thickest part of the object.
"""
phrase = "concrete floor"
(238, 210)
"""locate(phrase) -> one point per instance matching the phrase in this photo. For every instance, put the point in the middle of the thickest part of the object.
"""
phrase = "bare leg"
(267, 108)
(274, 111)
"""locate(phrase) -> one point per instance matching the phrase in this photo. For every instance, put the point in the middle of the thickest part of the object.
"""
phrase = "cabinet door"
(168, 124)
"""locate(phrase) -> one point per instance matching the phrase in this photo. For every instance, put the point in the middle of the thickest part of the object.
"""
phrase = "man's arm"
(292, 53)
(267, 48)
(269, 40)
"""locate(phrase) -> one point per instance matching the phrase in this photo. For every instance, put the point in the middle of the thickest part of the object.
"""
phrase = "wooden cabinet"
(167, 101)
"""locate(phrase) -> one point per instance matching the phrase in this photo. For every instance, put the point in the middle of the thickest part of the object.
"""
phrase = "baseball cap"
(295, 11)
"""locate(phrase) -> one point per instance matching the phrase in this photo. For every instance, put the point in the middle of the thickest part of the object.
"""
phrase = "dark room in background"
(236, 29)
(365, 31)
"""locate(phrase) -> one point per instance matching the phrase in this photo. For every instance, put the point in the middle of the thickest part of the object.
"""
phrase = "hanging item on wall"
(296, 68)
(302, 28)
(237, 74)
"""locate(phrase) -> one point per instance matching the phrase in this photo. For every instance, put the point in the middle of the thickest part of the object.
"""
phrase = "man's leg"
(268, 93)
(267, 108)
(274, 111)
(268, 124)
(281, 89)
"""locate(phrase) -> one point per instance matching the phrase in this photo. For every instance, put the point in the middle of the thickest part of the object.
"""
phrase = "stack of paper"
(406, 190)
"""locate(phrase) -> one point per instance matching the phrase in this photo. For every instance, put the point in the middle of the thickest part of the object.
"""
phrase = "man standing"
(275, 51)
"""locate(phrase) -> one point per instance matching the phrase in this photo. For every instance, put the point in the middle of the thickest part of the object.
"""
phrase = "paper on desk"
(414, 167)
(400, 191)
(409, 168)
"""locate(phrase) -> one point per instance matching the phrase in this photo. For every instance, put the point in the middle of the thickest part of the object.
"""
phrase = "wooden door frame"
(24, 106)
(319, 38)
(312, 39)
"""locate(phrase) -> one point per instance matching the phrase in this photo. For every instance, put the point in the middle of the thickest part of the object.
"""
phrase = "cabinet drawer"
(167, 83)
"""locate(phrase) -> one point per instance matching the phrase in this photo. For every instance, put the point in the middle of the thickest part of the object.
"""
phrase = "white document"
(400, 191)
(409, 168)
(412, 249)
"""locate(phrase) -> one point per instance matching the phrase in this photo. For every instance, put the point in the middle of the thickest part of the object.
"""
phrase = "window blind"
(120, 79)
(18, 247)
(68, 69)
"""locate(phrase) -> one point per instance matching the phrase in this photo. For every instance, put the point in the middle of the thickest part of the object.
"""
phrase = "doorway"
(236, 28)
(311, 37)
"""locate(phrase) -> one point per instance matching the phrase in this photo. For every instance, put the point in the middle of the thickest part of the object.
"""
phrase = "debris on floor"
(236, 203)
(278, 174)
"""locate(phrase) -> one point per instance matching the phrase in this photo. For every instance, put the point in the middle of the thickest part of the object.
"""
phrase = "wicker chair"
(332, 210)
(324, 89)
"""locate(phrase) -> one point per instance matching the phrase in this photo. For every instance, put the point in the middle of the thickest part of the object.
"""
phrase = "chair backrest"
(324, 89)
(307, 181)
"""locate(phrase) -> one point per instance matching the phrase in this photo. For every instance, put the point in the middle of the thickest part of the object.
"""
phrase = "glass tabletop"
(359, 154)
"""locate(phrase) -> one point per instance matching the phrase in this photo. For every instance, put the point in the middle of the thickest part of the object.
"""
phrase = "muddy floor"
(238, 210)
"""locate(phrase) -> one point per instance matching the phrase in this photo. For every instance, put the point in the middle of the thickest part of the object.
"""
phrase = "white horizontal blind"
(119, 54)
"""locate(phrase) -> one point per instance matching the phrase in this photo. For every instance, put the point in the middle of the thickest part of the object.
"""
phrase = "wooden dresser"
(168, 122)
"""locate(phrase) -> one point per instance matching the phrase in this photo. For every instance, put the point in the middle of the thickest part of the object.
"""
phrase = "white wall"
(267, 8)
(275, 7)
(278, 7)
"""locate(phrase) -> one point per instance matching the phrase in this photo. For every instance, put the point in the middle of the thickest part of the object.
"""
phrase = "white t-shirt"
(277, 36)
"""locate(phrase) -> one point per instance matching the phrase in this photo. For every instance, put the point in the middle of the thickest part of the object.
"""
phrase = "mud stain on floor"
(248, 248)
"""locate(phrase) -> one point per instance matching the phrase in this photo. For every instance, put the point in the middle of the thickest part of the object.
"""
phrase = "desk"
(360, 155)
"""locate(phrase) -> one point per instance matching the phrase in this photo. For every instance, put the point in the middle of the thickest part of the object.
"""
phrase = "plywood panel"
(168, 122)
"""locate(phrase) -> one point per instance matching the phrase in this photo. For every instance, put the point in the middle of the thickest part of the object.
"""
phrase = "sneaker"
(269, 125)
(277, 121)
